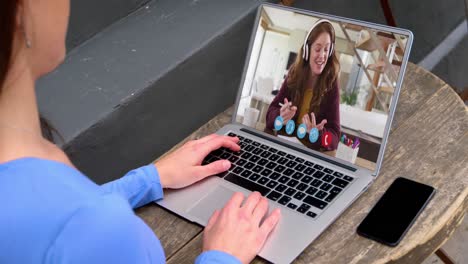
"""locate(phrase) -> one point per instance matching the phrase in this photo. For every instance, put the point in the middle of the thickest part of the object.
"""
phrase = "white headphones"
(305, 47)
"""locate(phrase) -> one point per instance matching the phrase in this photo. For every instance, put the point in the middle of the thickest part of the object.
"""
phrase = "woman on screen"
(310, 94)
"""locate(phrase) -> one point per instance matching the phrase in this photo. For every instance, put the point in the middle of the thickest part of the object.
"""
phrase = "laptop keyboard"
(283, 178)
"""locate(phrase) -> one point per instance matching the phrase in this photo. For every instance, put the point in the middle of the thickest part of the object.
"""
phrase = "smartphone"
(395, 212)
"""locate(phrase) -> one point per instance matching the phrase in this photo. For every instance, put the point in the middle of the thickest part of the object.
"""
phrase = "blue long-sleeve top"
(52, 213)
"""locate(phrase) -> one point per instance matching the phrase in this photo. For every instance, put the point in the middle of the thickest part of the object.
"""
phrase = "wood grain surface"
(428, 143)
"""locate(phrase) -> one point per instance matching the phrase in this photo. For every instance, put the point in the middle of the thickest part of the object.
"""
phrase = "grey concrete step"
(141, 85)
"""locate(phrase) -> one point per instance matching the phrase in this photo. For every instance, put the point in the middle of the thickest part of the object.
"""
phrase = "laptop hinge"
(300, 150)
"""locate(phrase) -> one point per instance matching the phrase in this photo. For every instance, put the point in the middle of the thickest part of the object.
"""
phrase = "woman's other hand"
(183, 167)
(311, 123)
(238, 229)
(287, 111)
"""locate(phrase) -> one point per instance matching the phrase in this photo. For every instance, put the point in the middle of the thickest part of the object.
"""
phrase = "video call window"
(327, 85)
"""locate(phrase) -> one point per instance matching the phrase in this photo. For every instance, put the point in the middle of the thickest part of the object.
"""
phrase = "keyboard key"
(297, 175)
(303, 208)
(246, 155)
(336, 190)
(302, 186)
(290, 192)
(284, 200)
(263, 180)
(271, 165)
(249, 165)
(309, 171)
(254, 158)
(265, 154)
(292, 183)
(291, 164)
(328, 178)
(263, 146)
(241, 162)
(257, 169)
(326, 186)
(284, 179)
(273, 150)
(225, 155)
(243, 145)
(299, 196)
(346, 177)
(255, 143)
(316, 183)
(274, 195)
(240, 137)
(321, 194)
(315, 202)
(318, 167)
(262, 162)
(311, 190)
(217, 152)
(280, 168)
(257, 151)
(254, 177)
(272, 184)
(246, 174)
(300, 167)
(237, 170)
(232, 134)
(266, 172)
(233, 159)
(248, 140)
(330, 197)
(327, 170)
(318, 174)
(274, 157)
(281, 188)
(288, 172)
(300, 160)
(281, 153)
(249, 148)
(291, 157)
(292, 206)
(306, 179)
(311, 214)
(282, 161)
(308, 163)
(338, 174)
(340, 183)
(251, 186)
(275, 175)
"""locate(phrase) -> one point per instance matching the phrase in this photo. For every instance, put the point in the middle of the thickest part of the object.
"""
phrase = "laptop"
(311, 171)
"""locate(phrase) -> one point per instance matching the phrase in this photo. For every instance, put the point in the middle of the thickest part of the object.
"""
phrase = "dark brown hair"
(8, 9)
(299, 71)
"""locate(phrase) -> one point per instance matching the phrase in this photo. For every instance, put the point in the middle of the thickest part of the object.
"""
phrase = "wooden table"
(428, 143)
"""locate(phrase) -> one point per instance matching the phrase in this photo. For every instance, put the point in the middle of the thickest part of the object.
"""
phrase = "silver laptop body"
(296, 230)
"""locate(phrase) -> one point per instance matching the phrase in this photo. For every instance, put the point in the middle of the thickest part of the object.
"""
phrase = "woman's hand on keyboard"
(237, 229)
(183, 167)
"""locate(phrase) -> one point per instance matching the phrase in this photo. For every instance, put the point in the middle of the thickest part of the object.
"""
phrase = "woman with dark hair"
(310, 93)
(52, 213)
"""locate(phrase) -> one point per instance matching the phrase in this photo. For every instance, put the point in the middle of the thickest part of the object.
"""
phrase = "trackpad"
(216, 199)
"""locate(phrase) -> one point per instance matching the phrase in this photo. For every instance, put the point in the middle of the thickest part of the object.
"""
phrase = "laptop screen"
(324, 83)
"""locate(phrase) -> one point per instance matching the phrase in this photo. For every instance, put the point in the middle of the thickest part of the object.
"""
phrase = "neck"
(18, 106)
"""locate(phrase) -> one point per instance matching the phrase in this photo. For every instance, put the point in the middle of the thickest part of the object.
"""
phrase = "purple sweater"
(329, 110)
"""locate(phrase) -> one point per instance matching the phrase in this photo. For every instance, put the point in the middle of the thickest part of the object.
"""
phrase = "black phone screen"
(395, 212)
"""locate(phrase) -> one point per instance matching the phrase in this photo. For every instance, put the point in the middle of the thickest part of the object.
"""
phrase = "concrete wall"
(88, 17)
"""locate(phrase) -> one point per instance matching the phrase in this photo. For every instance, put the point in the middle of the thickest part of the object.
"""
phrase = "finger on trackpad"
(216, 199)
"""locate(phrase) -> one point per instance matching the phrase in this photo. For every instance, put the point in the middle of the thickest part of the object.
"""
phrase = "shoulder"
(105, 231)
